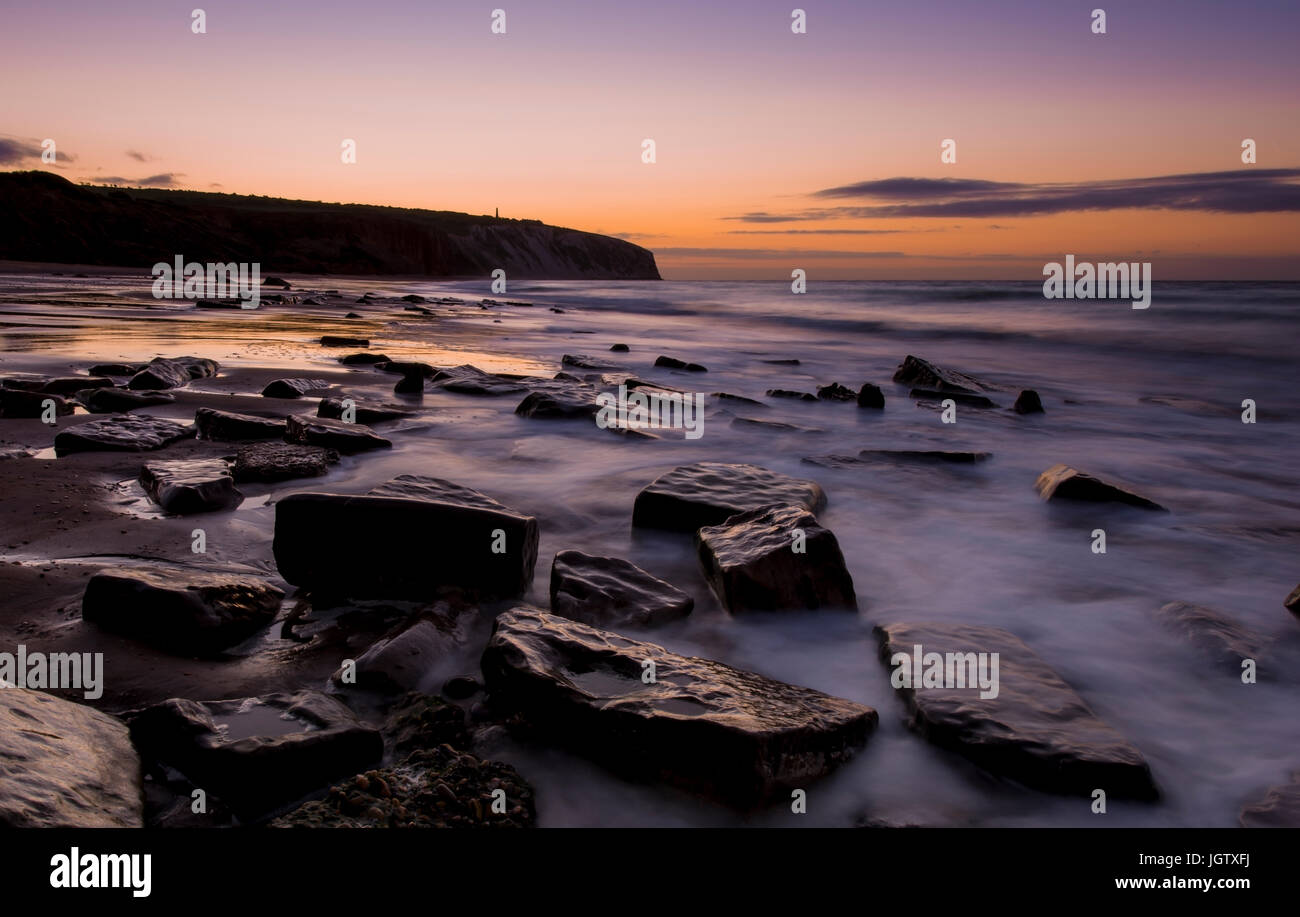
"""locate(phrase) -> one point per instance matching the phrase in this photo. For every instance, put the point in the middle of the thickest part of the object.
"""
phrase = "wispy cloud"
(762, 253)
(1239, 191)
(19, 151)
(163, 180)
(138, 156)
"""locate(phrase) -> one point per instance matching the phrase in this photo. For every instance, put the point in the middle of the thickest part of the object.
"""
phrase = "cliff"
(44, 217)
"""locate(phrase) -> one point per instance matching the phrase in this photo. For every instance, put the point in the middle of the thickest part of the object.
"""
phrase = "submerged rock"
(582, 361)
(975, 401)
(333, 434)
(121, 433)
(786, 393)
(1292, 601)
(183, 611)
(293, 388)
(612, 592)
(120, 400)
(1037, 730)
(365, 413)
(835, 392)
(775, 558)
(470, 380)
(619, 348)
(700, 724)
(1279, 808)
(266, 462)
(163, 373)
(229, 426)
(401, 661)
(1061, 482)
(363, 359)
(674, 363)
(923, 374)
(708, 493)
(334, 340)
(1028, 402)
(116, 369)
(407, 539)
(870, 396)
(256, 754)
(65, 765)
(1214, 633)
(923, 455)
(559, 405)
(190, 486)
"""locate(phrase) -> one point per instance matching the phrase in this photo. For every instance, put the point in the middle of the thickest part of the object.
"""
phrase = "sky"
(773, 150)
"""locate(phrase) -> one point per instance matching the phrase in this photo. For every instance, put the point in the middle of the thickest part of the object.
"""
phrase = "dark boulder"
(20, 403)
(870, 396)
(180, 610)
(618, 348)
(708, 493)
(347, 438)
(293, 388)
(70, 385)
(775, 558)
(559, 404)
(163, 373)
(332, 340)
(121, 433)
(923, 374)
(227, 426)
(120, 400)
(835, 392)
(1223, 640)
(611, 592)
(190, 486)
(363, 359)
(582, 361)
(1061, 482)
(699, 724)
(974, 401)
(116, 369)
(787, 393)
(333, 408)
(674, 363)
(1028, 402)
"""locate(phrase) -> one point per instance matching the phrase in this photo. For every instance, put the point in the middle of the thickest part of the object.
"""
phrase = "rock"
(701, 725)
(180, 610)
(739, 399)
(190, 486)
(410, 384)
(435, 787)
(619, 348)
(363, 359)
(333, 434)
(752, 564)
(407, 539)
(407, 368)
(65, 765)
(257, 753)
(365, 413)
(116, 369)
(221, 303)
(870, 396)
(1061, 482)
(470, 380)
(276, 282)
(349, 315)
(163, 373)
(120, 400)
(227, 426)
(69, 385)
(559, 405)
(1217, 635)
(611, 592)
(400, 662)
(333, 340)
(1280, 807)
(1292, 602)
(923, 374)
(16, 402)
(121, 433)
(835, 392)
(975, 401)
(293, 388)
(267, 462)
(414, 297)
(674, 363)
(781, 362)
(708, 493)
(773, 425)
(786, 393)
(1028, 402)
(924, 455)
(1037, 730)
(462, 687)
(582, 361)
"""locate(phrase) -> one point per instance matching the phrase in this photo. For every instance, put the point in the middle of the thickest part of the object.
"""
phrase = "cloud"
(1237, 191)
(163, 180)
(755, 253)
(138, 156)
(817, 232)
(17, 151)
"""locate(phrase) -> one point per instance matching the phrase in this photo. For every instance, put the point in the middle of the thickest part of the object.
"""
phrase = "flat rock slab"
(334, 408)
(180, 610)
(930, 394)
(708, 493)
(775, 558)
(294, 388)
(363, 359)
(1061, 482)
(120, 400)
(333, 434)
(470, 380)
(65, 765)
(16, 402)
(332, 340)
(121, 433)
(68, 385)
(162, 372)
(1224, 640)
(702, 725)
(584, 361)
(612, 592)
(787, 393)
(227, 426)
(1279, 808)
(257, 753)
(190, 486)
(267, 462)
(408, 539)
(924, 374)
(555, 404)
(1037, 730)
